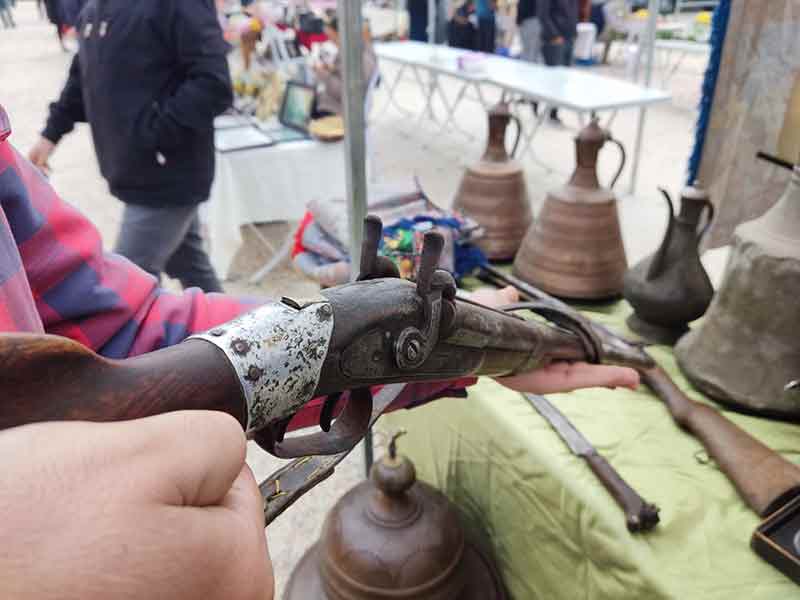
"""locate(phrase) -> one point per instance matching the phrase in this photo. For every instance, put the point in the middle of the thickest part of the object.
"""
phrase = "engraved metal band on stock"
(277, 351)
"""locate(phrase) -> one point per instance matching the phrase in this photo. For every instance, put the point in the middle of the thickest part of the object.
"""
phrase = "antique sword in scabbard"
(639, 514)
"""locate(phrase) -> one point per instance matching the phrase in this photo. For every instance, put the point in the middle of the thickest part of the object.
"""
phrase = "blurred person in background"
(487, 25)
(417, 20)
(330, 81)
(559, 22)
(149, 78)
(71, 10)
(463, 32)
(530, 31)
(6, 16)
(55, 14)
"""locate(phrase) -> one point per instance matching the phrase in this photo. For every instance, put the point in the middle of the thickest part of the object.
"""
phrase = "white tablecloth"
(268, 184)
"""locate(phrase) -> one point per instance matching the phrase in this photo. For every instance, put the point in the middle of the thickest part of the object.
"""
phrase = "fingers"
(494, 298)
(567, 377)
(188, 458)
(245, 498)
(231, 539)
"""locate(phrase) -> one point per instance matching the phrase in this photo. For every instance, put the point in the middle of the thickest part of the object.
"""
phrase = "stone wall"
(756, 107)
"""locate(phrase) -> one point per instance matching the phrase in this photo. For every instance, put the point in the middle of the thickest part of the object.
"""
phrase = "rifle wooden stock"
(50, 378)
(764, 479)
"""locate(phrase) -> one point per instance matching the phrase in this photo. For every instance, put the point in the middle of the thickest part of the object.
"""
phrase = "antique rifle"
(264, 366)
(764, 479)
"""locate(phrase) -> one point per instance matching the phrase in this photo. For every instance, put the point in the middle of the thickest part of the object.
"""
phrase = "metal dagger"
(639, 515)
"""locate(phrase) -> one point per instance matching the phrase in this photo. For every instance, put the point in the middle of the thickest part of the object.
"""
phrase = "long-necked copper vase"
(670, 289)
(394, 538)
(493, 191)
(574, 247)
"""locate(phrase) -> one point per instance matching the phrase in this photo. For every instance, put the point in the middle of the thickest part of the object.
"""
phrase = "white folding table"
(679, 49)
(269, 184)
(556, 87)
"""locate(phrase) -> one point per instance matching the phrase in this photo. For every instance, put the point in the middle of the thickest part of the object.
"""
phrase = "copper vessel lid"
(393, 537)
(592, 133)
(501, 109)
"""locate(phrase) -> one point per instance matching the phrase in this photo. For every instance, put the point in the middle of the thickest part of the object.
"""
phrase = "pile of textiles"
(321, 240)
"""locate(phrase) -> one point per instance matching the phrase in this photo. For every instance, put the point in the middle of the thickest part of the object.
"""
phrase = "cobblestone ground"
(33, 67)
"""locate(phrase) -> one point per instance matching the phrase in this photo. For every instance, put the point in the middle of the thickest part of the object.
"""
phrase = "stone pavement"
(33, 68)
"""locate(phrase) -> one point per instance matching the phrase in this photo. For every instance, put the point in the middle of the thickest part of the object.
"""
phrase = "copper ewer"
(394, 537)
(493, 192)
(574, 248)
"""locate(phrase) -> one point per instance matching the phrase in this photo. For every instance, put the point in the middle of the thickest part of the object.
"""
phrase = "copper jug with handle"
(574, 248)
(493, 191)
(670, 288)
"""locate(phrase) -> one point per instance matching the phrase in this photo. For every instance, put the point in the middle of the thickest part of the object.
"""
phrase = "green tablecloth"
(555, 531)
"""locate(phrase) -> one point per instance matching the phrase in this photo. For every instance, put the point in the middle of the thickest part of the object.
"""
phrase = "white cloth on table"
(268, 184)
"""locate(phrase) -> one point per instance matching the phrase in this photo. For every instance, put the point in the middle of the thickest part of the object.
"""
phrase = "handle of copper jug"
(623, 159)
(518, 123)
(709, 219)
(658, 258)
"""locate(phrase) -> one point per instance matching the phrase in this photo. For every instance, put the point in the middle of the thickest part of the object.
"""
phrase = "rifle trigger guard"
(348, 429)
(591, 342)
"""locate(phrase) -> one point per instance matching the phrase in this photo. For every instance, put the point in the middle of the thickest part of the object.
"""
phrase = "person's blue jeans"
(558, 55)
(487, 32)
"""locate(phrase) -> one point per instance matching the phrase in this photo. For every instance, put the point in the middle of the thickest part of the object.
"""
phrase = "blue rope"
(719, 27)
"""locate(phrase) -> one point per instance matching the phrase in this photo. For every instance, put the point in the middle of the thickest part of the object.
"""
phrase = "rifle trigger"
(326, 416)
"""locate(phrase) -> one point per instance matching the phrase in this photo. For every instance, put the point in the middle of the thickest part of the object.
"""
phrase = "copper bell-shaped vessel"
(493, 192)
(394, 537)
(746, 351)
(574, 248)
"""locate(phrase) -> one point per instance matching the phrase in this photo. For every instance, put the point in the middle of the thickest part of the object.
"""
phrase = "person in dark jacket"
(487, 26)
(559, 22)
(462, 33)
(55, 14)
(149, 78)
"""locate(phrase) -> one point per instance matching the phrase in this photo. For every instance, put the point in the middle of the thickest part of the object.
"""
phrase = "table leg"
(278, 255)
(450, 109)
(392, 101)
(427, 90)
(671, 70)
(544, 110)
(481, 97)
(637, 150)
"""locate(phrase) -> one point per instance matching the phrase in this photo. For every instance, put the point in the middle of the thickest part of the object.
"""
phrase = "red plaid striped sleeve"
(55, 278)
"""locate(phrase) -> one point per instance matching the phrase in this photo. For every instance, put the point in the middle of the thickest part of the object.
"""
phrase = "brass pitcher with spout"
(493, 192)
(670, 288)
(747, 347)
(574, 247)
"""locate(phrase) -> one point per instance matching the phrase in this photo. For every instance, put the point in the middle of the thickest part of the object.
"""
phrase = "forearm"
(68, 109)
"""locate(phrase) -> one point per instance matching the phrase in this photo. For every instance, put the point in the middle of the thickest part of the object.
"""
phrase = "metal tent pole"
(352, 46)
(431, 21)
(648, 75)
